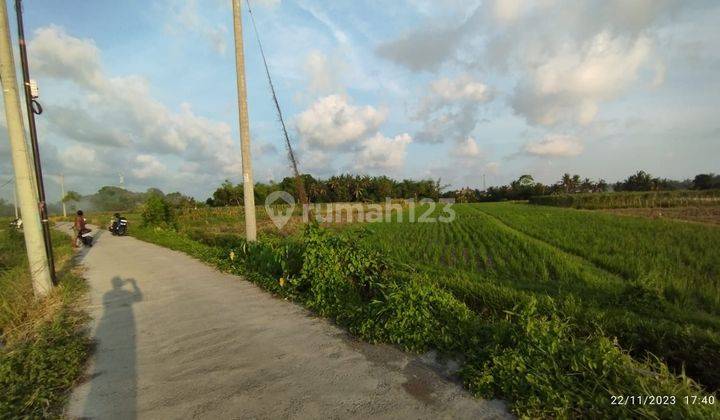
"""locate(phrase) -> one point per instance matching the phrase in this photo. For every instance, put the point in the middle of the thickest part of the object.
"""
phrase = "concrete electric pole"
(15, 203)
(32, 108)
(27, 195)
(248, 186)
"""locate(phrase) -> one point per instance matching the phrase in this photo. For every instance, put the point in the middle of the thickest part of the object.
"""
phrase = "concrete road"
(178, 339)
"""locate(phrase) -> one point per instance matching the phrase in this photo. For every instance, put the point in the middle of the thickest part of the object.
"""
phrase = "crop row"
(492, 265)
(612, 200)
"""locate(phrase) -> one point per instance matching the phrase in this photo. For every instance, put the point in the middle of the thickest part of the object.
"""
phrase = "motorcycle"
(17, 224)
(86, 238)
(119, 227)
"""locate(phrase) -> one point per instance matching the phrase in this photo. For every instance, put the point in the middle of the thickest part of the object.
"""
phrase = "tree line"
(525, 187)
(359, 188)
(364, 188)
(338, 188)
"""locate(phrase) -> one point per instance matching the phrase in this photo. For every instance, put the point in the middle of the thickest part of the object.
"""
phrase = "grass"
(44, 344)
(627, 199)
(553, 330)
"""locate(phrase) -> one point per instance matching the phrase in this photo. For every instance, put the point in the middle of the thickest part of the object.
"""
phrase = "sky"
(143, 92)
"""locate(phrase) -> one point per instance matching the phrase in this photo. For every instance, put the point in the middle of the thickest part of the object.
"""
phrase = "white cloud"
(383, 153)
(323, 73)
(492, 168)
(316, 161)
(333, 132)
(555, 145)
(508, 10)
(54, 53)
(148, 166)
(463, 88)
(451, 109)
(260, 148)
(79, 155)
(333, 123)
(122, 112)
(571, 84)
(338, 33)
(76, 123)
(185, 15)
(428, 48)
(467, 149)
(577, 56)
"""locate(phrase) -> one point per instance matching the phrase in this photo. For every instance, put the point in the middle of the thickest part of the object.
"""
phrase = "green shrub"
(157, 212)
(419, 316)
(545, 371)
(339, 274)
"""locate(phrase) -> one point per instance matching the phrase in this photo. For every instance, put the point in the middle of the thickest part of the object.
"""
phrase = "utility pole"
(248, 186)
(15, 202)
(32, 227)
(62, 193)
(33, 107)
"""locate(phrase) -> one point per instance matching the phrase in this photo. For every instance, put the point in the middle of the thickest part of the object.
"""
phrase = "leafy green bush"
(419, 316)
(338, 275)
(547, 372)
(157, 212)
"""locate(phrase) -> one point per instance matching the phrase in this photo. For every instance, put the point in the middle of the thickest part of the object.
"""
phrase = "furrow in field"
(563, 251)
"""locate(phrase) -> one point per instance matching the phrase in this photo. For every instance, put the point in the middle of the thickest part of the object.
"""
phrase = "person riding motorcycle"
(118, 225)
(114, 222)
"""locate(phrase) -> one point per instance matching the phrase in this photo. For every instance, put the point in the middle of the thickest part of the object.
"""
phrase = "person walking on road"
(78, 228)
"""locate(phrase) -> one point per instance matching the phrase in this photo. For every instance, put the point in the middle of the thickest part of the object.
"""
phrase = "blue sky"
(413, 88)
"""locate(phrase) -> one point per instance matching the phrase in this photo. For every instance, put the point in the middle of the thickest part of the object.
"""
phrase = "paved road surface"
(178, 339)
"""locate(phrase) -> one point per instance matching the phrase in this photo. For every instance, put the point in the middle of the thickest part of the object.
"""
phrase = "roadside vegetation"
(43, 343)
(554, 331)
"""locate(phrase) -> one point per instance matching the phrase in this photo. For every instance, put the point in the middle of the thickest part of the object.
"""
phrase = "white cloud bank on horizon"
(121, 122)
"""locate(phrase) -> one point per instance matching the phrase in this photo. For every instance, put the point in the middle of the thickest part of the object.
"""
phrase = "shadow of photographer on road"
(114, 380)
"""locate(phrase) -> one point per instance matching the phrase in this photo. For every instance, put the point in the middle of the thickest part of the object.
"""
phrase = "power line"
(9, 181)
(298, 181)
